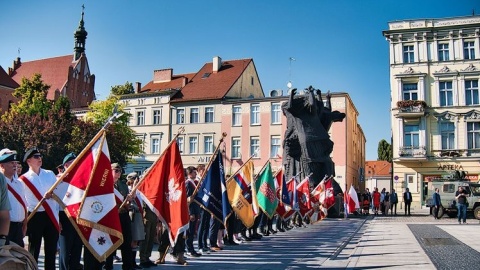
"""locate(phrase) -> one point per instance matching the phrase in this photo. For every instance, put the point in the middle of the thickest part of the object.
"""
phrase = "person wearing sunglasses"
(44, 222)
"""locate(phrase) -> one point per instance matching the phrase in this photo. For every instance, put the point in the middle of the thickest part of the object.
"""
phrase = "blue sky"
(337, 45)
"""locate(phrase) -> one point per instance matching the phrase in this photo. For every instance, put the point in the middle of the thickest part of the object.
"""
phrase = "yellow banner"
(240, 195)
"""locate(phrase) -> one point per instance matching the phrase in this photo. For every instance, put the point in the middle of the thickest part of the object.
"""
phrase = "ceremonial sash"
(39, 197)
(18, 197)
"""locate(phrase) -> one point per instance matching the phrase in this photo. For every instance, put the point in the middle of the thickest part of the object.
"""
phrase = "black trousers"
(15, 233)
(40, 226)
(125, 248)
(407, 207)
(70, 244)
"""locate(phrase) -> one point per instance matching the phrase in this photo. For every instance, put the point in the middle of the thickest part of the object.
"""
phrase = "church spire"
(80, 37)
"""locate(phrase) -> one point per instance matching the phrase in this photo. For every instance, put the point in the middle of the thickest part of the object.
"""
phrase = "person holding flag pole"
(211, 194)
(240, 194)
(88, 179)
(162, 189)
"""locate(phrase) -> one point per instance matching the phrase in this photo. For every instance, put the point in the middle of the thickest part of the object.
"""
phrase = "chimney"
(217, 64)
(16, 64)
(184, 81)
(138, 87)
(162, 75)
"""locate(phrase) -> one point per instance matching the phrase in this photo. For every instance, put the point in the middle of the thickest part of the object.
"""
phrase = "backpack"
(14, 257)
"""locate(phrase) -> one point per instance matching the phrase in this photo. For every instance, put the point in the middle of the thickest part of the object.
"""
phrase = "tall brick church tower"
(67, 75)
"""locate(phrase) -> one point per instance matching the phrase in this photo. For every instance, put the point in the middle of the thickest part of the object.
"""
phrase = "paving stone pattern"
(444, 250)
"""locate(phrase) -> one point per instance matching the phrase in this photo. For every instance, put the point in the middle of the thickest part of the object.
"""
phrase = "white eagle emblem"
(173, 193)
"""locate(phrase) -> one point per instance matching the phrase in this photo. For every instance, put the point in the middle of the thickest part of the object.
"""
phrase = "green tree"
(32, 95)
(122, 140)
(37, 121)
(119, 90)
(384, 151)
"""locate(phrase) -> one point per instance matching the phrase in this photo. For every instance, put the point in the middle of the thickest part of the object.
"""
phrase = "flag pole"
(224, 134)
(243, 165)
(144, 174)
(77, 159)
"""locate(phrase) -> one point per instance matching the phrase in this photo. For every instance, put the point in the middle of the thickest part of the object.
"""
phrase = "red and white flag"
(327, 198)
(351, 199)
(87, 196)
(303, 196)
(163, 190)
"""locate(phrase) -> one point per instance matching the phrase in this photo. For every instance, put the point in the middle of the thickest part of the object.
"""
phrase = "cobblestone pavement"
(358, 242)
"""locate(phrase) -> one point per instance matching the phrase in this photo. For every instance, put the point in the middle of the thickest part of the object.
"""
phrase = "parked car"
(447, 190)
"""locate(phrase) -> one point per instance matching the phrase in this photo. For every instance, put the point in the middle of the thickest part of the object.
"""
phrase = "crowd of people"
(384, 202)
(31, 211)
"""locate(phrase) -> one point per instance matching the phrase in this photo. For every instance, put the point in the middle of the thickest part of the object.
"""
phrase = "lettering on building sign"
(450, 168)
(203, 159)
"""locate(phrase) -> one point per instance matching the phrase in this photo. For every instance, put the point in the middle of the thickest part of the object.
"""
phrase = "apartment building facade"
(435, 113)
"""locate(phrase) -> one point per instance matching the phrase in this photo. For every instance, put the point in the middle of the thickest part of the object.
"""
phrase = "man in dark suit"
(407, 199)
(436, 203)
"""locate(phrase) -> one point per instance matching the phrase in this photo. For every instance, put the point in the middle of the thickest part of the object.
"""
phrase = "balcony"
(412, 152)
(411, 108)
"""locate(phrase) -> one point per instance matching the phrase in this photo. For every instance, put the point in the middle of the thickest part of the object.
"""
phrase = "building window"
(443, 53)
(276, 112)
(410, 91)
(411, 136)
(208, 114)
(157, 117)
(193, 143)
(252, 81)
(194, 115)
(408, 54)
(471, 92)
(447, 131)
(236, 116)
(180, 144)
(275, 146)
(155, 145)
(469, 50)
(180, 116)
(473, 135)
(446, 94)
(254, 146)
(255, 114)
(142, 140)
(140, 118)
(208, 144)
(236, 147)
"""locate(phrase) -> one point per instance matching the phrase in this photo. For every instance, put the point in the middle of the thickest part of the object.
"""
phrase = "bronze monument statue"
(307, 145)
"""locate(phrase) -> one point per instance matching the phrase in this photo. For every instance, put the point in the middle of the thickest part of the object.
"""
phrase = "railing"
(412, 109)
(412, 151)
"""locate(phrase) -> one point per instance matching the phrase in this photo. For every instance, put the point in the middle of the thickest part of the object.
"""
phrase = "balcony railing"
(412, 151)
(411, 108)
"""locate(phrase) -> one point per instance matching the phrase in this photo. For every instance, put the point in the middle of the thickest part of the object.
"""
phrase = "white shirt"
(42, 182)
(17, 213)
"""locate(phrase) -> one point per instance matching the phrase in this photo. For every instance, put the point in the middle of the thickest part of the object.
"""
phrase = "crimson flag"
(303, 196)
(163, 190)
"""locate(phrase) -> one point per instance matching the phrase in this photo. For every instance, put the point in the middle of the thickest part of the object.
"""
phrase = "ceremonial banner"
(163, 191)
(303, 195)
(212, 193)
(284, 203)
(351, 199)
(292, 197)
(264, 190)
(87, 196)
(240, 194)
(326, 197)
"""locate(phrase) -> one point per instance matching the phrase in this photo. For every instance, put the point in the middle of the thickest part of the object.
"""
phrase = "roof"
(377, 168)
(176, 83)
(54, 72)
(214, 86)
(5, 80)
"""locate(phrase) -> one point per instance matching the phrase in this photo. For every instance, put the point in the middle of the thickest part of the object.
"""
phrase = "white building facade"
(435, 106)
